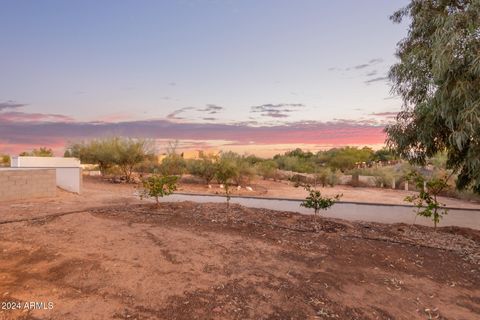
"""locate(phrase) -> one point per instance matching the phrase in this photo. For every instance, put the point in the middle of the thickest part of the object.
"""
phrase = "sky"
(253, 76)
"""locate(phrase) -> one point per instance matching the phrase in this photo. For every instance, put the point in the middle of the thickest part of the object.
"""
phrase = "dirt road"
(196, 261)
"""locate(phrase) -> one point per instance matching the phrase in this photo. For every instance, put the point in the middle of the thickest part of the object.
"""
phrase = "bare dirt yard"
(105, 255)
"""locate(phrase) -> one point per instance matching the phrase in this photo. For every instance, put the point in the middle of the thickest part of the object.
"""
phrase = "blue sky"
(253, 63)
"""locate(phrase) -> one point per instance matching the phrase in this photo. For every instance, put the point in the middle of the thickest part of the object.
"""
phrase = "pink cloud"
(57, 146)
(34, 130)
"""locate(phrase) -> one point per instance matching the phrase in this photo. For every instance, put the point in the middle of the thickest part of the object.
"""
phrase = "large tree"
(42, 152)
(126, 153)
(438, 78)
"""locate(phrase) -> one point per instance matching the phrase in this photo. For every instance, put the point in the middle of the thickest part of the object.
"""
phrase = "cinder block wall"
(19, 184)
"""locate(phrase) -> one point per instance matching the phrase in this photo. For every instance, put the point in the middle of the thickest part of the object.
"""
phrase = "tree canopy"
(438, 79)
(42, 152)
(126, 153)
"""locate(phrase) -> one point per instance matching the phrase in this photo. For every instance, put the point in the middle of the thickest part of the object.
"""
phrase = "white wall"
(45, 162)
(68, 170)
(69, 179)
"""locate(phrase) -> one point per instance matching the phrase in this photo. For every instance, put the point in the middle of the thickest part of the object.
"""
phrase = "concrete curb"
(299, 200)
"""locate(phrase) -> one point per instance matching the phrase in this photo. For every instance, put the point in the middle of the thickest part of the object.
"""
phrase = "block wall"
(23, 184)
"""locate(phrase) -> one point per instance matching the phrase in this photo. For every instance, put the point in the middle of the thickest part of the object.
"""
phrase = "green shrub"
(267, 169)
(5, 160)
(321, 178)
(42, 152)
(203, 168)
(173, 165)
(333, 178)
(131, 152)
(126, 153)
(243, 170)
(149, 165)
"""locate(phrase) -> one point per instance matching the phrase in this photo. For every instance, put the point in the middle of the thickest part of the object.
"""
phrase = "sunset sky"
(249, 75)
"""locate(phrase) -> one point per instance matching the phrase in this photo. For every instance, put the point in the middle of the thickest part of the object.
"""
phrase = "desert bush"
(157, 186)
(203, 168)
(149, 165)
(321, 177)
(384, 154)
(42, 152)
(253, 160)
(299, 179)
(332, 178)
(267, 169)
(125, 153)
(102, 152)
(295, 164)
(173, 164)
(5, 160)
(337, 159)
(345, 158)
(195, 167)
(382, 176)
(131, 152)
(244, 171)
(382, 179)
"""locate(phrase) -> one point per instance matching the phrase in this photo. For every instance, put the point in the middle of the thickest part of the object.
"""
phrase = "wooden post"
(393, 183)
(406, 185)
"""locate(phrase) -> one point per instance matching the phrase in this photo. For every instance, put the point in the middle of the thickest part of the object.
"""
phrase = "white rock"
(222, 186)
(209, 186)
(249, 188)
(239, 188)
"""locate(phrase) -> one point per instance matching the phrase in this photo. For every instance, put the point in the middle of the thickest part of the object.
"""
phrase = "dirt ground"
(286, 189)
(126, 259)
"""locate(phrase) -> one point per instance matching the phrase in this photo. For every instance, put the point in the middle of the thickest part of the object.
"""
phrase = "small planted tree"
(317, 202)
(225, 172)
(157, 186)
(426, 200)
